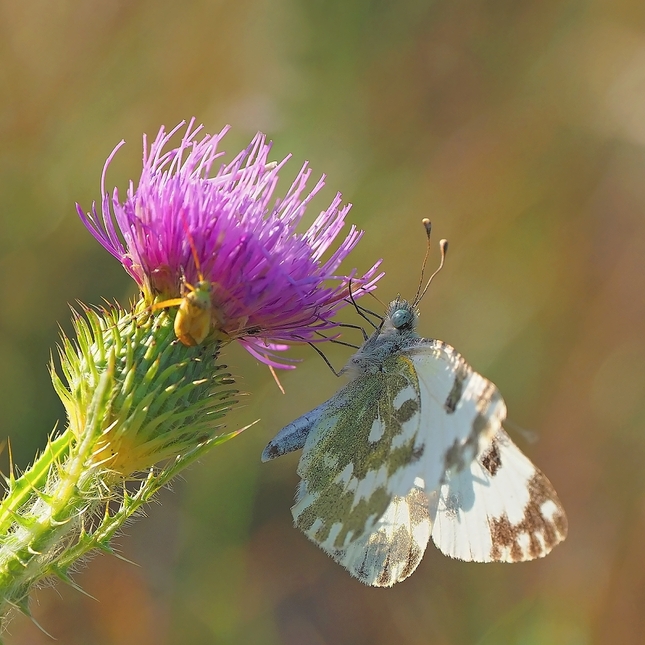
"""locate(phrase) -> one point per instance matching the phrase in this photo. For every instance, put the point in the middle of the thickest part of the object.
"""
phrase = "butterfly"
(413, 448)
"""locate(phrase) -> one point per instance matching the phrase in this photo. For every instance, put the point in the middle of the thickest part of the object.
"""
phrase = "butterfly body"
(412, 447)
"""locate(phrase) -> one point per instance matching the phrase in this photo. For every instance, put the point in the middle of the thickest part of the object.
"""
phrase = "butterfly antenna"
(428, 227)
(371, 293)
(443, 246)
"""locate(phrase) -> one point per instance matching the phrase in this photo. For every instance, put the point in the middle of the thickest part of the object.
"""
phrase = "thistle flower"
(140, 406)
(189, 223)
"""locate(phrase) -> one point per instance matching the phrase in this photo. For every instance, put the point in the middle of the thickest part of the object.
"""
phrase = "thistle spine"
(140, 408)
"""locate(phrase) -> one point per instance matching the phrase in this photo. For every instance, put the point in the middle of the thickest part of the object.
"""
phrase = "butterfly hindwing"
(394, 548)
(501, 508)
(359, 454)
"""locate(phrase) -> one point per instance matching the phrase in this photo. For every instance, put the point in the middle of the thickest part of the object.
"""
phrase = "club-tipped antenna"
(443, 246)
(428, 227)
(384, 305)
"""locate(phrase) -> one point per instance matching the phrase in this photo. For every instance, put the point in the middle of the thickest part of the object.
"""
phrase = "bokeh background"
(518, 127)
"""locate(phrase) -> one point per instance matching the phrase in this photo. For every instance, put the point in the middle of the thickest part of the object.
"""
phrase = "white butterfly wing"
(501, 508)
(461, 411)
(358, 455)
(394, 548)
(425, 413)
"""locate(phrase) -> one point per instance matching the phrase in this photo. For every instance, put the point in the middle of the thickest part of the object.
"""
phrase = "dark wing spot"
(417, 453)
(407, 410)
(555, 528)
(362, 571)
(418, 506)
(385, 575)
(457, 389)
(560, 523)
(502, 534)
(412, 561)
(534, 524)
(491, 460)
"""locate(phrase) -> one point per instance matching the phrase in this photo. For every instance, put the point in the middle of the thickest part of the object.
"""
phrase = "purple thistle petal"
(190, 221)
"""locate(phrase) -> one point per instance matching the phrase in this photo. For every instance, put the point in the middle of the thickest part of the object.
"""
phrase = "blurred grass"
(518, 128)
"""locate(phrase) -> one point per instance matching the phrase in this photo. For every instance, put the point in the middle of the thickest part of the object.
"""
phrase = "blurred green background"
(517, 127)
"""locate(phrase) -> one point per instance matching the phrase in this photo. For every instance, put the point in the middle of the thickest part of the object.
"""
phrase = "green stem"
(21, 490)
(41, 531)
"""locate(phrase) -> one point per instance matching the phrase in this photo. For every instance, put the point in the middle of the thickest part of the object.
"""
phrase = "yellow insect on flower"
(193, 320)
(194, 317)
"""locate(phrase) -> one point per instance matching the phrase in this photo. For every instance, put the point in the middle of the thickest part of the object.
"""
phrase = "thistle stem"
(141, 407)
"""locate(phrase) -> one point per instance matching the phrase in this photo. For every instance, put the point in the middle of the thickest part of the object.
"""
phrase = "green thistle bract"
(140, 406)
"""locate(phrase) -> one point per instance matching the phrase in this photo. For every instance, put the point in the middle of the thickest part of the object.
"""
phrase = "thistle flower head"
(194, 223)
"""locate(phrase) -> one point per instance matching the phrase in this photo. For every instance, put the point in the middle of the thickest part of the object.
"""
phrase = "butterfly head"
(397, 330)
(401, 316)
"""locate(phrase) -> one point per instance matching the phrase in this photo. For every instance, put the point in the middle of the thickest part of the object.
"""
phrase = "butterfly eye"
(401, 318)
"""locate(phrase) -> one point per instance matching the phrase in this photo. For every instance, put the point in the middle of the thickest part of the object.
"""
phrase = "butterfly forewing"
(462, 411)
(500, 508)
